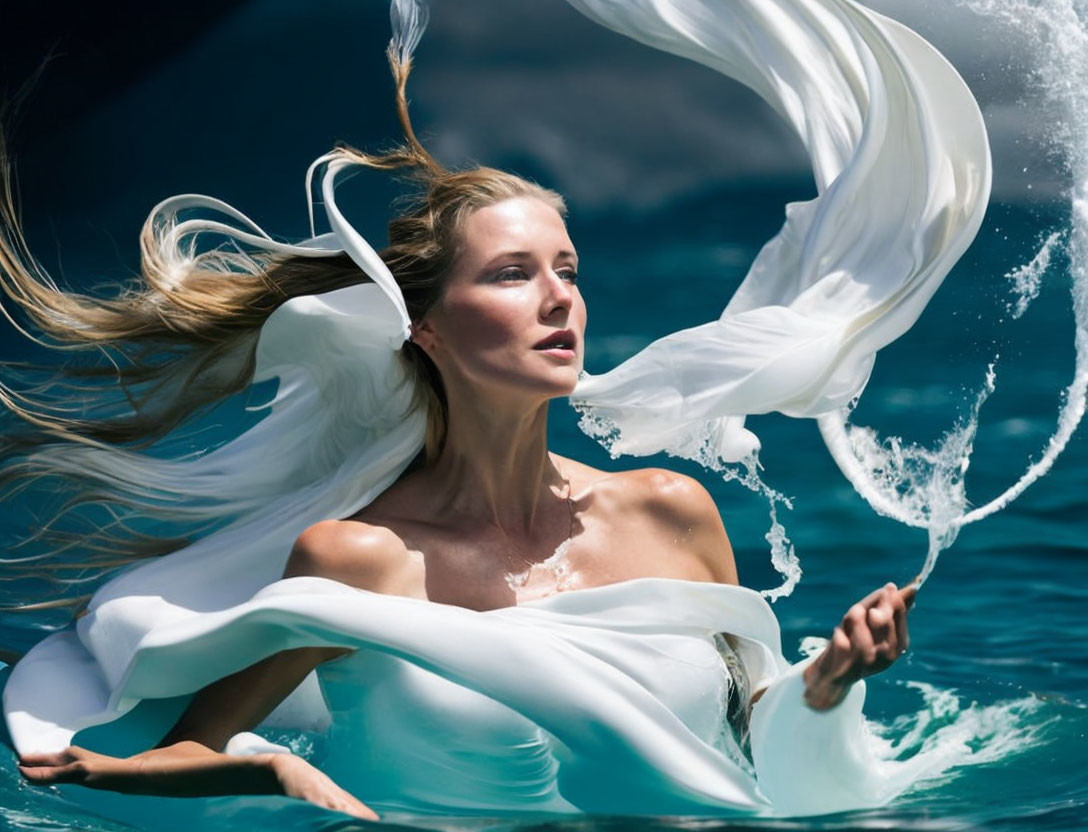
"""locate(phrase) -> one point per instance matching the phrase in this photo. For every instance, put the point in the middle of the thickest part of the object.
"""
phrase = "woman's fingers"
(327, 794)
(893, 610)
(908, 594)
(55, 758)
(872, 635)
(65, 766)
(877, 629)
(892, 638)
(335, 798)
(881, 623)
(358, 809)
(856, 625)
(300, 779)
(73, 772)
(905, 599)
(873, 597)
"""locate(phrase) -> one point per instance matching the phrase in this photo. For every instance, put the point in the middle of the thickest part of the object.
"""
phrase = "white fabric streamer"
(902, 167)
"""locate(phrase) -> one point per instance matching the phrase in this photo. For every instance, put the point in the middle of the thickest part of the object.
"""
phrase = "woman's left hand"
(872, 635)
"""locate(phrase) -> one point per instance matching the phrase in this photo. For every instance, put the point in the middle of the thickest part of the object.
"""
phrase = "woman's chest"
(600, 552)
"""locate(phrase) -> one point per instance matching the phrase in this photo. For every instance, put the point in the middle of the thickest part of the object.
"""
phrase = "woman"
(478, 525)
(487, 519)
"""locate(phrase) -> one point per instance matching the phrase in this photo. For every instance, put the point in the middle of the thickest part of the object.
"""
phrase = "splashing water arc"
(924, 487)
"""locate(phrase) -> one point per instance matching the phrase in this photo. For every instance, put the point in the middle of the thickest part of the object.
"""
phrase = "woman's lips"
(564, 340)
(559, 352)
(561, 345)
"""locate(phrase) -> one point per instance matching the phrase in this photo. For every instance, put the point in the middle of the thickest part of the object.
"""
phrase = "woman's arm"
(189, 759)
(187, 769)
(188, 762)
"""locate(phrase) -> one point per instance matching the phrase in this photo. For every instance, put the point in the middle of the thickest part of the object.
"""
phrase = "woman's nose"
(559, 294)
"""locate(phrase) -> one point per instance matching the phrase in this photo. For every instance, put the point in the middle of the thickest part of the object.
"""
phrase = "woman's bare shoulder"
(364, 555)
(666, 493)
(673, 507)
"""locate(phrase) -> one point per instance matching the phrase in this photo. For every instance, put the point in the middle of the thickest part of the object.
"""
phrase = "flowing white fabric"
(606, 700)
(902, 167)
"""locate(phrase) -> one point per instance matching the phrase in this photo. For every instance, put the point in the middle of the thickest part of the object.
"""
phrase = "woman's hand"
(189, 769)
(78, 765)
(299, 779)
(872, 635)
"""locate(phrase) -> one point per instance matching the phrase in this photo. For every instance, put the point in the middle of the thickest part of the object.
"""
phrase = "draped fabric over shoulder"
(902, 168)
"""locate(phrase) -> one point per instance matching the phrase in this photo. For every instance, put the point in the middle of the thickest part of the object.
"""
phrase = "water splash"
(913, 484)
(924, 747)
(783, 554)
(705, 449)
(555, 569)
(924, 487)
(1027, 280)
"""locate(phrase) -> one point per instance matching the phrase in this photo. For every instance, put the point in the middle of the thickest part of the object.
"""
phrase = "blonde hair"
(180, 339)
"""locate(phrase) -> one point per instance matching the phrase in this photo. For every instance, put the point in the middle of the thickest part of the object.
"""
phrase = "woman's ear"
(423, 334)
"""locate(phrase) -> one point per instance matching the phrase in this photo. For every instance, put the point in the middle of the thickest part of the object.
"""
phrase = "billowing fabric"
(607, 699)
(902, 167)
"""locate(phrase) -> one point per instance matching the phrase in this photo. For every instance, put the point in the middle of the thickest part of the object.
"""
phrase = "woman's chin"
(533, 382)
(570, 382)
(559, 386)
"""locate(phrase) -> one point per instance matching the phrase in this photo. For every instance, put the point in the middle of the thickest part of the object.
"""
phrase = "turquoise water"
(996, 681)
(995, 686)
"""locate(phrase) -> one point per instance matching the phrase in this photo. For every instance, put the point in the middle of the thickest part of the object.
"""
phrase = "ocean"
(994, 689)
(995, 685)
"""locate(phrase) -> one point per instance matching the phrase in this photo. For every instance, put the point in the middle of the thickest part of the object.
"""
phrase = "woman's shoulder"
(667, 494)
(360, 554)
(670, 506)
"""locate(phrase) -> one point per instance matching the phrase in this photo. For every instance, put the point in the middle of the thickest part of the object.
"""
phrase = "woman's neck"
(494, 467)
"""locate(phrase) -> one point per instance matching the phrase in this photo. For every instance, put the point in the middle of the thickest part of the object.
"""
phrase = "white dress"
(609, 699)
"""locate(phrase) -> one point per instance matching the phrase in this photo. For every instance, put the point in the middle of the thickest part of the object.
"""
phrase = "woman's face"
(511, 317)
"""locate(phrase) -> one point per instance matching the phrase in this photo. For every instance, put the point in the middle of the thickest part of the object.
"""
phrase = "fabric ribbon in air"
(902, 167)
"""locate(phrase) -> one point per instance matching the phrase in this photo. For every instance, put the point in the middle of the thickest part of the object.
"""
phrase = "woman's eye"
(518, 273)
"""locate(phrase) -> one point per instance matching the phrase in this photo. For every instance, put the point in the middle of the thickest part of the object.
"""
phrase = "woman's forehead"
(519, 224)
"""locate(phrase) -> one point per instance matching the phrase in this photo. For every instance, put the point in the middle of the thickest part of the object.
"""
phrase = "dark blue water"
(996, 680)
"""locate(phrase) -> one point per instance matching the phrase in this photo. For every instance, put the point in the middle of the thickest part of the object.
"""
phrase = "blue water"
(996, 681)
(997, 675)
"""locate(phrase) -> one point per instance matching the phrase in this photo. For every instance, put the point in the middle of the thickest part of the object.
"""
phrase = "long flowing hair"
(168, 346)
